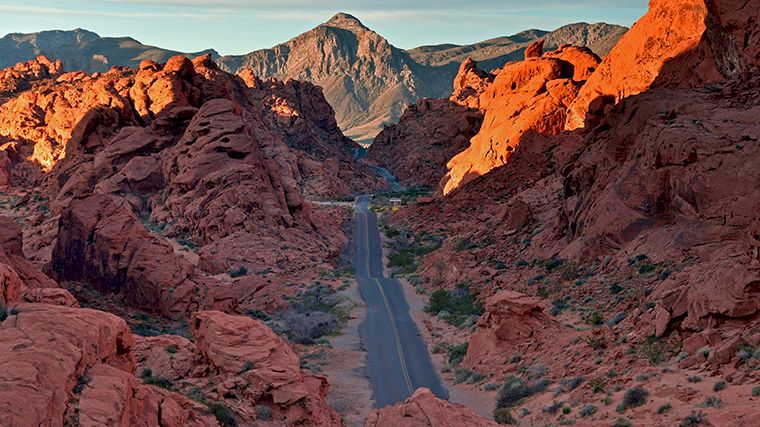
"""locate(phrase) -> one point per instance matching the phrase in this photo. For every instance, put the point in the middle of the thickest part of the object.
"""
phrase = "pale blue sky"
(238, 26)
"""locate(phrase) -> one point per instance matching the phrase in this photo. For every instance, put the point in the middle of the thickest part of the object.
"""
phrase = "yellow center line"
(402, 360)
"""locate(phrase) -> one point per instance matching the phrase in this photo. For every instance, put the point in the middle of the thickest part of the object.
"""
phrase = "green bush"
(223, 414)
(503, 416)
(588, 410)
(312, 314)
(459, 304)
(456, 353)
(515, 389)
(263, 412)
(238, 272)
(694, 419)
(756, 391)
(665, 407)
(633, 397)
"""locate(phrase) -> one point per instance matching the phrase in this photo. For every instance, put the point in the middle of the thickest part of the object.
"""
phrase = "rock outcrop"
(423, 409)
(676, 44)
(242, 363)
(526, 97)
(22, 76)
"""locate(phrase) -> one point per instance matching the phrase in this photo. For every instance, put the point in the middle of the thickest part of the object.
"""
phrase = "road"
(398, 361)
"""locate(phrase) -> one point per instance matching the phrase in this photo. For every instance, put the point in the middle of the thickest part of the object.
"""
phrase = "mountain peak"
(346, 21)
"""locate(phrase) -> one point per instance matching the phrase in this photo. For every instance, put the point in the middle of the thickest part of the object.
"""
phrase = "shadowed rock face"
(187, 151)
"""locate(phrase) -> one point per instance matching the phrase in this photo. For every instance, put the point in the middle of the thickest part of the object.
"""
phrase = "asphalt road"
(398, 361)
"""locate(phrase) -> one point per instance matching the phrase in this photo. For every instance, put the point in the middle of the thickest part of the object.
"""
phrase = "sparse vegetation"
(516, 389)
(238, 272)
(694, 379)
(588, 410)
(665, 407)
(82, 382)
(454, 306)
(633, 397)
(622, 422)
(456, 353)
(462, 375)
(263, 412)
(719, 386)
(756, 391)
(172, 349)
(223, 414)
(694, 419)
(653, 350)
(503, 416)
(3, 312)
(712, 402)
(313, 314)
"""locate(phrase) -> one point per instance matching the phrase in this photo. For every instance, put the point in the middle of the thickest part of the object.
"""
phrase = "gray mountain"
(82, 50)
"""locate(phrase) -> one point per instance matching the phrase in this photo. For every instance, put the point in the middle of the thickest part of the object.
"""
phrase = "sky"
(239, 26)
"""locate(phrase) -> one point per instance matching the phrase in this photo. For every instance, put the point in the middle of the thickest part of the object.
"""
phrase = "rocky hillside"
(82, 50)
(494, 53)
(611, 246)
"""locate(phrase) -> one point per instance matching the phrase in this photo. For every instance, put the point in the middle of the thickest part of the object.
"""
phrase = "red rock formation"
(526, 97)
(429, 133)
(511, 319)
(535, 49)
(100, 240)
(469, 84)
(21, 76)
(241, 362)
(677, 43)
(423, 409)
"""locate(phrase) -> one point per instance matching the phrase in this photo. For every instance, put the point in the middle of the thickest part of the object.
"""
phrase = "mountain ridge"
(367, 80)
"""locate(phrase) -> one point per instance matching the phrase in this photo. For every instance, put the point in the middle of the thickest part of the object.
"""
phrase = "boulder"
(423, 409)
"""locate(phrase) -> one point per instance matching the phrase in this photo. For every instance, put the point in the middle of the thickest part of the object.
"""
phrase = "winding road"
(398, 361)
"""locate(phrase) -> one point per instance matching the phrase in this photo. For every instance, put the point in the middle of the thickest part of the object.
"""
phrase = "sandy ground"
(350, 393)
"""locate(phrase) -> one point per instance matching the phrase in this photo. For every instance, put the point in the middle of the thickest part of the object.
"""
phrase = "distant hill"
(368, 81)
(82, 50)
(493, 53)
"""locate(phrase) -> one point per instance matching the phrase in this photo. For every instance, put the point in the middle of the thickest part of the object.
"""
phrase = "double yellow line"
(402, 360)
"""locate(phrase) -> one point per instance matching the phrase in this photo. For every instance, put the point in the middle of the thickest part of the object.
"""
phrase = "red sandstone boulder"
(510, 319)
(423, 409)
(469, 83)
(535, 49)
(44, 349)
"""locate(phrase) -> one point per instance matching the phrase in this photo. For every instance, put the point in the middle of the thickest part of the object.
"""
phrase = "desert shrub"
(558, 306)
(515, 389)
(622, 422)
(515, 358)
(665, 407)
(172, 349)
(82, 382)
(616, 288)
(238, 272)
(566, 410)
(456, 353)
(553, 407)
(402, 259)
(503, 416)
(747, 353)
(694, 419)
(596, 318)
(223, 414)
(633, 397)
(569, 384)
(616, 319)
(459, 304)
(597, 385)
(647, 268)
(712, 402)
(462, 375)
(588, 410)
(694, 379)
(263, 412)
(553, 263)
(756, 391)
(248, 365)
(313, 314)
(490, 387)
(3, 312)
(161, 382)
(653, 350)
